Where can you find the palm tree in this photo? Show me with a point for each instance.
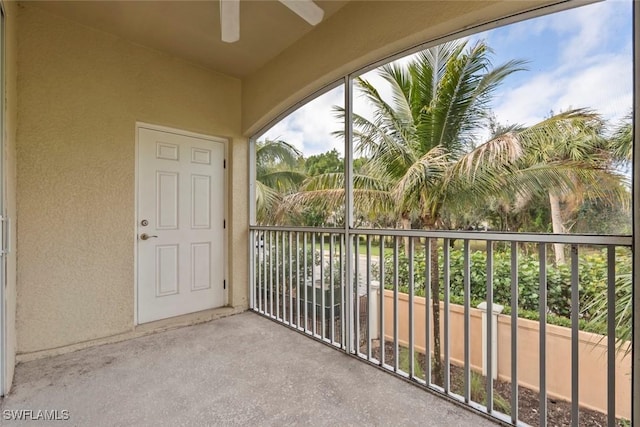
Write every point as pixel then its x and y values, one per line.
pixel 623 311
pixel 621 147
pixel 275 175
pixel 422 157
pixel 419 146
pixel 622 141
pixel 573 140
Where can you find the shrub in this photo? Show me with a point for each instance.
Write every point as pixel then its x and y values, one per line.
pixel 592 274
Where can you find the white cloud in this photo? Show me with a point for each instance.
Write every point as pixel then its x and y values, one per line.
pixel 587 65
pixel 588 28
pixel 528 103
pixel 309 128
pixel 604 84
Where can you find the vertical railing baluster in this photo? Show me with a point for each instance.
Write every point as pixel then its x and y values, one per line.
pixel 575 331
pixel 258 275
pixel 543 333
pixel 381 301
pixel 290 279
pixel 298 280
pixel 611 336
pixel 514 332
pixel 284 277
pixel 263 269
pixel 266 260
pixel 368 297
pixel 271 272
pixel 332 284
pixel 489 356
pixel 427 309
pixel 313 282
pixel 411 291
pixel 356 292
pixel 252 269
pixel 266 264
pixel 467 321
pixel 261 280
pixel 396 352
pixel 305 284
pixel 343 290
pixel 323 302
pixel 446 284
pixel 277 271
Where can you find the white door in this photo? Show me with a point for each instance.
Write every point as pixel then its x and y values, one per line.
pixel 180 224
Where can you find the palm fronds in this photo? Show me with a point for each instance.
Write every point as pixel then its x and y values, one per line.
pixel 275 175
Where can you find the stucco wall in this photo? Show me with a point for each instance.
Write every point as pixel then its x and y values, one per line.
pixel 360 33
pixel 10 116
pixel 592 353
pixel 80 93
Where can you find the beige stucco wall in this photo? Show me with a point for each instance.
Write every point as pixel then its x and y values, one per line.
pixel 80 93
pixel 360 33
pixel 592 352
pixel 10 116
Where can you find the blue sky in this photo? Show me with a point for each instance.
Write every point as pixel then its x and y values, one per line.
pixel 576 58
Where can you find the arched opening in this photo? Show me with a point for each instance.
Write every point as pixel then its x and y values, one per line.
pixel 485 172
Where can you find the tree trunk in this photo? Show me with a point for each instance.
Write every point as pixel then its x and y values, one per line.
pixel 437 373
pixel 558 227
pixel 406 225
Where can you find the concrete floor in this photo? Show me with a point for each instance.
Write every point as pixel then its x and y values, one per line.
pixel 241 370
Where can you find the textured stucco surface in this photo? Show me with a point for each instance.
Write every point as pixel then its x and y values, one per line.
pixel 10 116
pixel 243 370
pixel 360 33
pixel 80 93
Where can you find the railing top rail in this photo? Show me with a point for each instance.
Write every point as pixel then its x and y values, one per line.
pixel 297 229
pixel 579 239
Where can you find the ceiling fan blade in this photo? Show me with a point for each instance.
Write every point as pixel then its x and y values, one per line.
pixel 230 20
pixel 305 9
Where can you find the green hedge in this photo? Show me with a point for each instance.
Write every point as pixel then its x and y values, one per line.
pixel 592 274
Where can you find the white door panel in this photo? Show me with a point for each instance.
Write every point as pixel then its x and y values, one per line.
pixel 181 196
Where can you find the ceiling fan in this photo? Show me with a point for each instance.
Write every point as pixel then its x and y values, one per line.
pixel 230 16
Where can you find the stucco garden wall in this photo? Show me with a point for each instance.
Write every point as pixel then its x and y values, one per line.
pixel 592 353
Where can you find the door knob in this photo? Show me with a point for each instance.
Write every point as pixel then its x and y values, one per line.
pixel 145 236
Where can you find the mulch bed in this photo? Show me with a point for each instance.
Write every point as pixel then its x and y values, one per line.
pixel 558 411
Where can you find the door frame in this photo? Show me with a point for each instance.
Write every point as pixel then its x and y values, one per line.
pixel 225 207
pixel 4 222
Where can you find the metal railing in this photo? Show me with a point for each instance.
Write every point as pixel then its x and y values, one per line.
pixel 382 311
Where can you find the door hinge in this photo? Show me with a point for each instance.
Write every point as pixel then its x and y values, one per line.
pixel 224 284
pixel 224 223
pixel 5 224
pixel 224 164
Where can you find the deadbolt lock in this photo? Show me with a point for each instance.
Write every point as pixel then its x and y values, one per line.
pixel 144 223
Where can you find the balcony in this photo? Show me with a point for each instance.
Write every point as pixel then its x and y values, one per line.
pixel 240 370
pixel 551 369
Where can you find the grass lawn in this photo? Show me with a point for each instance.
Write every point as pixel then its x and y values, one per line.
pixel 475 245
